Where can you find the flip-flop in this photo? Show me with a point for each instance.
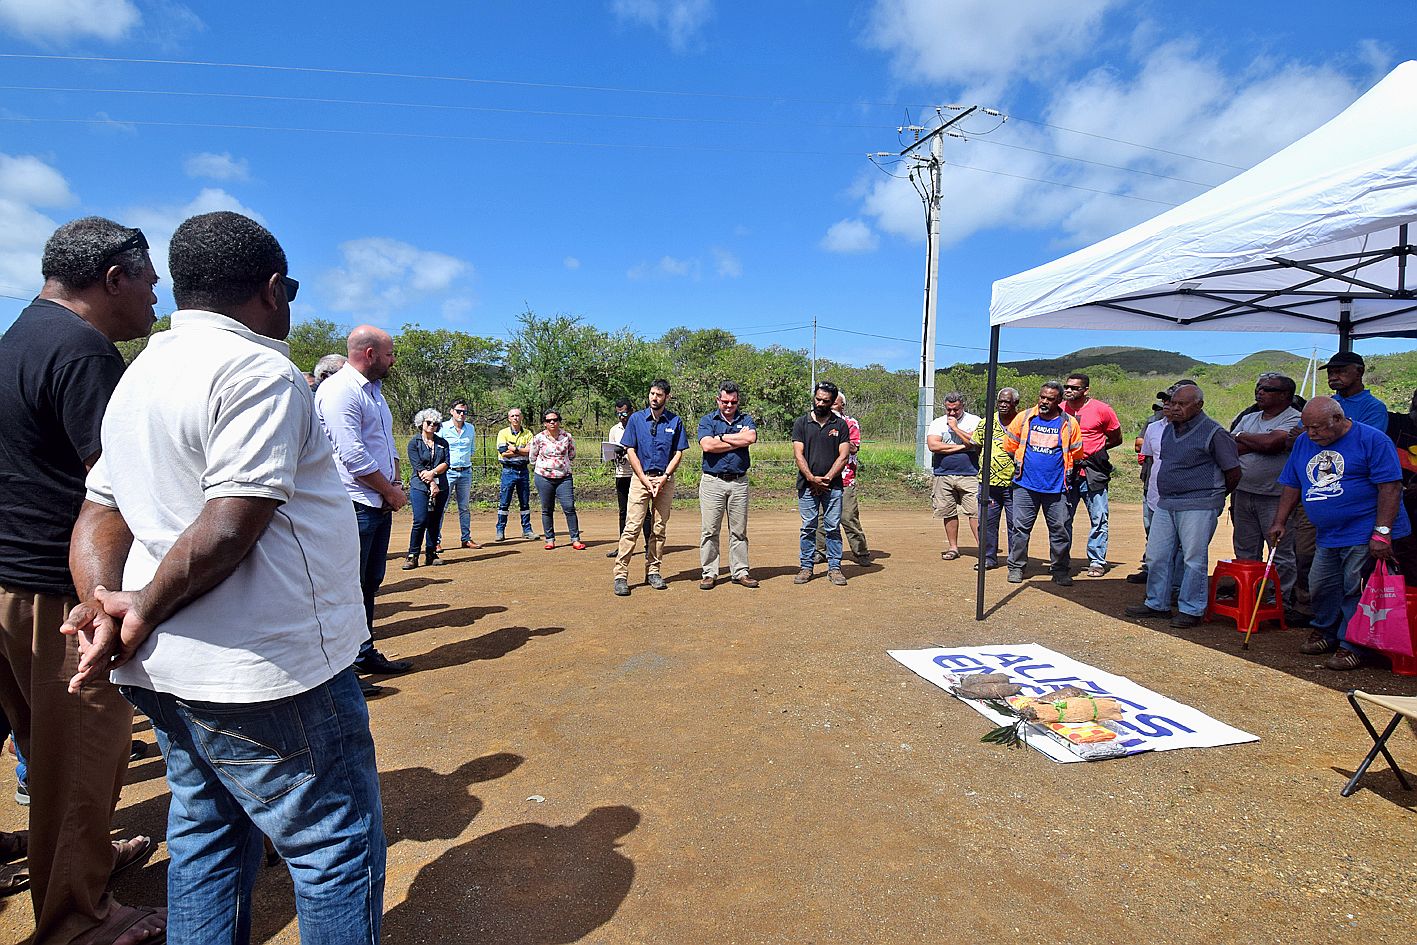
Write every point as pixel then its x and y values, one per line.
pixel 14 846
pixel 14 878
pixel 130 853
pixel 121 919
pixel 949 555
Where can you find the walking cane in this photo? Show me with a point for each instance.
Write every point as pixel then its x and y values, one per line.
pixel 1259 596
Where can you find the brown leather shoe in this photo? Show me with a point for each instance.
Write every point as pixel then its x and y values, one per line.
pixel 1344 660
pixel 744 580
pixel 803 576
pixel 474 545
pixel 706 584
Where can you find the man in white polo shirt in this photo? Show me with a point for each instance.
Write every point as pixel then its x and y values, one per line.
pixel 217 509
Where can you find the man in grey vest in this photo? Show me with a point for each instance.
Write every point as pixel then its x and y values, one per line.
pixel 1202 467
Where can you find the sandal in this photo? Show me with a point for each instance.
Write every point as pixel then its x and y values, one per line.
pixel 14 878
pixel 122 918
pixel 14 846
pixel 1096 570
pixel 950 555
pixel 133 852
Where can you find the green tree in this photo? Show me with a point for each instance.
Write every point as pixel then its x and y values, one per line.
pixel 549 363
pixel 131 349
pixel 312 340
pixel 437 366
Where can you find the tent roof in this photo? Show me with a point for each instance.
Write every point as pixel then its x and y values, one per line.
pixel 1314 239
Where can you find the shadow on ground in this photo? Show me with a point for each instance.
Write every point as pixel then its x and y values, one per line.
pixel 530 884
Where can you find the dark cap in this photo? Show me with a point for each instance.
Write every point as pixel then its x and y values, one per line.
pixel 1165 395
pixel 1344 359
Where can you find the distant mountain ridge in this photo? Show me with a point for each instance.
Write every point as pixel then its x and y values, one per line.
pixel 1141 361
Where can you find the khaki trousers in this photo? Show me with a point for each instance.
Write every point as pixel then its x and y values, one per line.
pixel 850 526
pixel 77 747
pixel 636 508
pixel 717 498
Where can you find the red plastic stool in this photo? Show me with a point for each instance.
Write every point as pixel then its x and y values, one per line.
pixel 1246 575
pixel 1407 665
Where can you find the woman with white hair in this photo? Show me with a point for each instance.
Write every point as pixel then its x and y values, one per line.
pixel 428 486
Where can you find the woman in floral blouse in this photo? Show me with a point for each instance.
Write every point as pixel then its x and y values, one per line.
pixel 551 453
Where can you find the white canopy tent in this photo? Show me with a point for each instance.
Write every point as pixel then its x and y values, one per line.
pixel 1313 239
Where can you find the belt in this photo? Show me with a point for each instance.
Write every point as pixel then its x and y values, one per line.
pixel 728 477
pixel 461 468
pixel 654 472
pixel 521 465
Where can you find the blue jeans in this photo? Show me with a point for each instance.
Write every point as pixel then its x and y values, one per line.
pixel 375 526
pixel 1187 532
pixel 460 484
pixel 427 520
pixel 300 771
pixel 514 478
pixel 1096 503
pixel 827 507
pixel 1335 584
pixel 551 491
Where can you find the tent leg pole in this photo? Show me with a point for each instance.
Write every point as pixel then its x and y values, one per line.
pixel 991 414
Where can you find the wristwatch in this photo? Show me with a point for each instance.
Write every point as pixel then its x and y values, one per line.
pixel 1383 530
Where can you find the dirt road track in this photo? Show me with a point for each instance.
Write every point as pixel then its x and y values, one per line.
pixel 741 766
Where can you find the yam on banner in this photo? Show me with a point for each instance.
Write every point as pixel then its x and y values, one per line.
pixel 1150 721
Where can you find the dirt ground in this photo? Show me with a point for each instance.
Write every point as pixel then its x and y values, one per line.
pixel 748 766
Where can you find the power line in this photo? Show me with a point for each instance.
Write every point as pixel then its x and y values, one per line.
pixel 428 105
pixel 1130 144
pixel 1114 167
pixel 1058 183
pixel 230 126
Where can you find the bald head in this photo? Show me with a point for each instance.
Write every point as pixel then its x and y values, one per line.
pixel 371 352
pixel 1324 421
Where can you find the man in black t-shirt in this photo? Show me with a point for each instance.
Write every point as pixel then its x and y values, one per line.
pixel 58 367
pixel 821 443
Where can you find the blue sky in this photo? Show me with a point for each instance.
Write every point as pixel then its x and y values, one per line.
pixel 653 163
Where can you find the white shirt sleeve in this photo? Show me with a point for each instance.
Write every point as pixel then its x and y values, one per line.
pixel 259 425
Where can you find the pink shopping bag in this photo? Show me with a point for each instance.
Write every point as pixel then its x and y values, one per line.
pixel 1380 622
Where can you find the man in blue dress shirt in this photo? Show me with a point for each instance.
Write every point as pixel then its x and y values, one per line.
pixel 725 436
pixel 654 443
pixel 462 443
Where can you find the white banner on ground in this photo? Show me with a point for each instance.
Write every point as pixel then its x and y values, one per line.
pixel 1150 721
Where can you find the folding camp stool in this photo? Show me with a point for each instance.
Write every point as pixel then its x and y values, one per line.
pixel 1401 707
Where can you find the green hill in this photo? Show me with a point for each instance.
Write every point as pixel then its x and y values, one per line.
pixel 1138 361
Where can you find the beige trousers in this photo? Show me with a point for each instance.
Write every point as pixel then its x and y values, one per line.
pixel 719 498
pixel 636 508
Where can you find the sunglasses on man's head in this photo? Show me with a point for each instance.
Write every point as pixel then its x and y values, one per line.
pixel 136 240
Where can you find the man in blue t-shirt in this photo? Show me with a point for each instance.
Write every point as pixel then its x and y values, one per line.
pixel 1348 477
pixel 1045 443
pixel 1345 378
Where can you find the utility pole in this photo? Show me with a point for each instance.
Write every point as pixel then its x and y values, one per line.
pixel 814 356
pixel 925 411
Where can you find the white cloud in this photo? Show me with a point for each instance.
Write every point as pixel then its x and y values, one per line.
pixel 571 262
pixel 667 267
pixel 1174 98
pixel 26 184
pixel 52 21
pixel 222 166
pixel 849 236
pixel 726 264
pixel 380 276
pixel 982 43
pixel 159 221
pixel 29 180
pixel 456 308
pixel 679 21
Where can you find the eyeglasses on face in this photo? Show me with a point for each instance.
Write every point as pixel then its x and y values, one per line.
pixel 459 410
pixel 1073 387
pixel 728 403
pixel 552 420
pixel 1270 390
pixel 292 287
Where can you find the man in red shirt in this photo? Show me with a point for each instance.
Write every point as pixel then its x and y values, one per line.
pixel 1101 431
